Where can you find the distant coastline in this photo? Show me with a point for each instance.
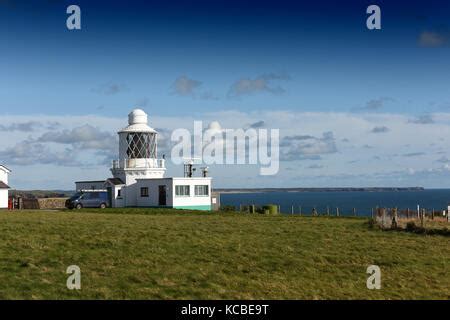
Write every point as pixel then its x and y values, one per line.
pixel 366 189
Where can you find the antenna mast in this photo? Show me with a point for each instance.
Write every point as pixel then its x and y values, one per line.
pixel 189 167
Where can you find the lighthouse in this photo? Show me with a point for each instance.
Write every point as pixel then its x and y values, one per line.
pixel 138 149
pixel 139 175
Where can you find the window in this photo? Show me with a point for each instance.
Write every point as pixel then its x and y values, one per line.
pixel 119 193
pixel 201 190
pixel 141 145
pixel 182 191
pixel 144 192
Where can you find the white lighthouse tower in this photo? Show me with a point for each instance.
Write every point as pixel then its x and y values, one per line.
pixel 138 175
pixel 138 149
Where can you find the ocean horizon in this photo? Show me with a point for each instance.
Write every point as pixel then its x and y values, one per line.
pixel 362 201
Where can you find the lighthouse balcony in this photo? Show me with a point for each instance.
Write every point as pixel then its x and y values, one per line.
pixel 138 163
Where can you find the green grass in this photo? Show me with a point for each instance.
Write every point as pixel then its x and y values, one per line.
pixel 173 254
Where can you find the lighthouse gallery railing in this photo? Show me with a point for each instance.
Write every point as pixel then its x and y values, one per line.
pixel 138 163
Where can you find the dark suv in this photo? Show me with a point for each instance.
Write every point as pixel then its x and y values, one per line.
pixel 88 199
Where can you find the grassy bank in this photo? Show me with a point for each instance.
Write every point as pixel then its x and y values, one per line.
pixel 172 254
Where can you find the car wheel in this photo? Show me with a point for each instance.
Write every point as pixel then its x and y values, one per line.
pixel 103 206
pixel 78 206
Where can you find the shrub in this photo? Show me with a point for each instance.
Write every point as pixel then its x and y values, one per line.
pixel 270 209
pixel 227 208
pixel 411 226
pixel 372 223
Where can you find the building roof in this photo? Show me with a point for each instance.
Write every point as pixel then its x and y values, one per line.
pixel 140 127
pixel 114 181
pixel 138 122
pixel 175 178
pixel 4 185
pixel 93 181
pixel 5 168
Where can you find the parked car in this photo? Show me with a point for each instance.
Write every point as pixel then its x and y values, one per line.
pixel 88 199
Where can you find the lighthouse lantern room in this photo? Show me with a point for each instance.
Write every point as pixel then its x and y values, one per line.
pixel 137 151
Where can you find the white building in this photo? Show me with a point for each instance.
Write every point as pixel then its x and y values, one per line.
pixel 4 188
pixel 138 175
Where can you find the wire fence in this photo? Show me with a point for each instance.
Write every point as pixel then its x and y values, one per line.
pixel 298 209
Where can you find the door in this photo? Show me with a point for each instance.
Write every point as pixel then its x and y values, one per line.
pixel 162 195
pixel 85 200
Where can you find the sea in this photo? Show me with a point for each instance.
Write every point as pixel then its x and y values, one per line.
pixel 362 201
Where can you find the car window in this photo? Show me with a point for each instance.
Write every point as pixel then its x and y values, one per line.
pixel 76 196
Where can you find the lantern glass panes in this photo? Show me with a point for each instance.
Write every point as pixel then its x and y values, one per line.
pixel 141 145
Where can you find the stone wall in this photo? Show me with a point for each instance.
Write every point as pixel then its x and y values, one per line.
pixel 51 203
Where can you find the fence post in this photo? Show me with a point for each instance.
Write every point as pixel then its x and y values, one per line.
pixel 394 223
pixel 337 211
pixel 292 210
pixel 354 212
pixel 328 210
pixel 300 210
pixel 422 217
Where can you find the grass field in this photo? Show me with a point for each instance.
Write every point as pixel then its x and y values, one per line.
pixel 172 254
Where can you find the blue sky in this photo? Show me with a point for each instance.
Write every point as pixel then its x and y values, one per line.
pixel 213 60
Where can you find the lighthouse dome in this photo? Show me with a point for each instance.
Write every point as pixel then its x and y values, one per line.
pixel 215 126
pixel 137 122
pixel 137 116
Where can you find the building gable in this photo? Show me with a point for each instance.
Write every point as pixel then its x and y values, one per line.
pixel 4 169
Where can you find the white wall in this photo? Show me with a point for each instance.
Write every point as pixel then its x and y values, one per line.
pixel 153 192
pixel 3 176
pixel 192 200
pixel 132 193
pixel 118 202
pixel 3 198
pixel 3 192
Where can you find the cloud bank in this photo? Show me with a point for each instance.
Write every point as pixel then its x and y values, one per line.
pixel 336 147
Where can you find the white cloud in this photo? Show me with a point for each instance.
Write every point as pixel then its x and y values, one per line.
pixel 300 147
pixel 110 88
pixel 262 83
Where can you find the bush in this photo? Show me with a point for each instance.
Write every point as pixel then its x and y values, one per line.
pixel 270 209
pixel 372 223
pixel 411 226
pixel 227 208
